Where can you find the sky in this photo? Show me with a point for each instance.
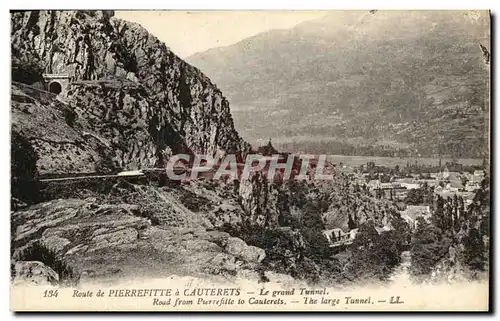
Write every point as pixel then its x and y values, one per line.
pixel 189 32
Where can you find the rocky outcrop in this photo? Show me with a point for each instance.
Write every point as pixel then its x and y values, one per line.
pixel 349 208
pixel 61 223
pixel 46 140
pixel 35 273
pixel 338 203
pixel 259 199
pixel 241 250
pixel 120 114
pixel 128 90
pixel 188 206
pixel 89 239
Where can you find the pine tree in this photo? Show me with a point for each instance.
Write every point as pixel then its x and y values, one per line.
pixel 438 217
pixel 473 254
pixel 461 208
pixel 373 256
pixel 456 222
pixel 448 215
pixel 351 224
pixel 428 246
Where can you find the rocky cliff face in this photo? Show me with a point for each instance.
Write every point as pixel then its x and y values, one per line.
pixel 125 84
pixel 130 103
pixel 45 126
pixel 259 199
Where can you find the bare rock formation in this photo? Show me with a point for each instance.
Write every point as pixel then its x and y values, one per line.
pixel 128 90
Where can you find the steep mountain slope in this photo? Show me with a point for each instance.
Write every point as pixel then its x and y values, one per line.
pixel 131 101
pixel 125 84
pixel 414 81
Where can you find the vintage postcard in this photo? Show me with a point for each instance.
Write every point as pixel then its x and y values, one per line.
pixel 250 160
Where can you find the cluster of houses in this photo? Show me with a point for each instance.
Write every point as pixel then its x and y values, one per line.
pixel 445 184
pixel 392 190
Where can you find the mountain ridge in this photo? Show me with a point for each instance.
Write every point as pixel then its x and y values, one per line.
pixel 342 63
pixel 168 105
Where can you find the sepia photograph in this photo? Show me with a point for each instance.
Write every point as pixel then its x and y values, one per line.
pixel 173 160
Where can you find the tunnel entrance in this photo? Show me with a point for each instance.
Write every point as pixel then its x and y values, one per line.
pixel 56 83
pixel 55 87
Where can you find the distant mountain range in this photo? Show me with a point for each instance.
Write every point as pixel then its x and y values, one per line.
pixel 383 83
